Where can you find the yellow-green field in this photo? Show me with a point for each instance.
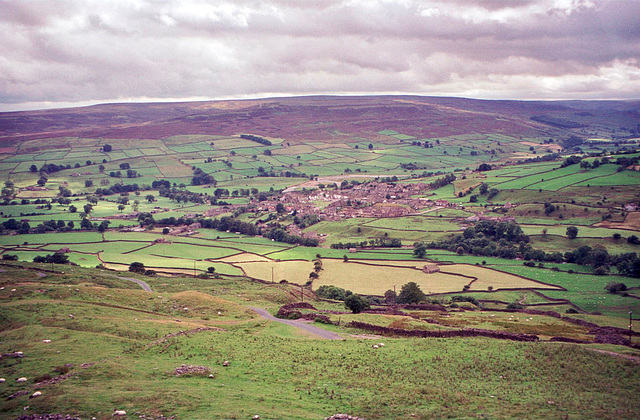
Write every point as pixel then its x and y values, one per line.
pixel 376 278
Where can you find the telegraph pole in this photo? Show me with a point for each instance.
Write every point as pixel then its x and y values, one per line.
pixel 630 325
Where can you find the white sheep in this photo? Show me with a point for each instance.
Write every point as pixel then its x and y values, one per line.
pixel 2 380
pixel 119 413
pixel 23 379
pixel 375 346
pixel 380 344
pixel 36 394
pixel 46 341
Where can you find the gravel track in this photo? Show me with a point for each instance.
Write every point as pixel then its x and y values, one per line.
pixel 327 335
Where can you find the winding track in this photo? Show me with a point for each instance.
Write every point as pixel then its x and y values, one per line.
pixel 142 284
pixel 327 335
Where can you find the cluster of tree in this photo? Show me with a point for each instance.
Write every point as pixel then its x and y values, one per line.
pixel 627 161
pixel 14 225
pixel 306 220
pixel 57 258
pixel 377 242
pixel 506 240
pixel 543 158
pixel 185 196
pixel 223 224
pixel 333 292
pixel 441 182
pixel 571 160
pixel 49 168
pixel 426 144
pixel 257 139
pixel 280 235
pixel 484 167
pixel 52 225
pixel 131 173
pixel 161 183
pixel 490 193
pixel 572 141
pixel 488 238
pixel 138 267
pixel 287 174
pixel 200 177
pixel 118 189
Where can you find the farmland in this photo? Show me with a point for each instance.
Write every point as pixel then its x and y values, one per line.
pixel 262 203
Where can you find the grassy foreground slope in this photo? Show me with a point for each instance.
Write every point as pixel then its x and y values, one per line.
pixel 115 341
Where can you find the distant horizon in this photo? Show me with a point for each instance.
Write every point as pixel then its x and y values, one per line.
pixel 7 108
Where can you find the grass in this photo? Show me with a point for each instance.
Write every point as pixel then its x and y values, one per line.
pixel 275 371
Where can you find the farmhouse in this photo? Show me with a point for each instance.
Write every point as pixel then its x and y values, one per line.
pixel 431 268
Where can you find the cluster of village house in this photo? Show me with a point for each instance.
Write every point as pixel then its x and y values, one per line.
pixel 364 200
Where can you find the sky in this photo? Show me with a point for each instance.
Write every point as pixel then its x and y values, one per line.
pixel 58 53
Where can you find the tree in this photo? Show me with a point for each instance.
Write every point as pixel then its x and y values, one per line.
pixel 88 183
pixel 72 209
pixel 101 168
pixel 411 293
pixel 614 287
pixel 390 297
pixel 33 168
pixel 137 267
pixel 572 232
pixel 88 208
pixel 419 249
pixel 370 146
pixel 150 198
pixel 106 148
pixel 356 303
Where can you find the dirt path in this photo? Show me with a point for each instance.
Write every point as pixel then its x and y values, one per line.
pixel 634 359
pixel 328 335
pixel 142 284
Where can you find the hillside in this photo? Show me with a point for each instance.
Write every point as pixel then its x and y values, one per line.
pixel 328 119
pixel 457 258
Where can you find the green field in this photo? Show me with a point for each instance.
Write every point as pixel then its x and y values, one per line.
pixel 205 280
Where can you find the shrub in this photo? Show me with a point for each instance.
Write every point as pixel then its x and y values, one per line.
pixel 356 303
pixel 572 311
pixel 469 299
pixel 332 292
pixel 514 305
pixel 137 267
pixel 615 287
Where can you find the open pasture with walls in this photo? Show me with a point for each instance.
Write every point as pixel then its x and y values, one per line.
pixel 274 370
pixel 376 277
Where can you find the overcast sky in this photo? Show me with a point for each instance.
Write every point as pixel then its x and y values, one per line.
pixel 64 52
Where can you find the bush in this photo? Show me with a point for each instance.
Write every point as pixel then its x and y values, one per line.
pixel 356 303
pixel 615 287
pixel 332 292
pixel 137 267
pixel 572 311
pixel 514 305
pixel 469 299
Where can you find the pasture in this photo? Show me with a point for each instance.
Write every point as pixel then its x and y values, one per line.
pixel 376 277
pixel 276 371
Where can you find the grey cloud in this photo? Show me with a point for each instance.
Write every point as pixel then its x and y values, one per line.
pixel 83 50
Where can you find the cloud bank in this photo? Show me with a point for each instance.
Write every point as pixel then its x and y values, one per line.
pixel 61 52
